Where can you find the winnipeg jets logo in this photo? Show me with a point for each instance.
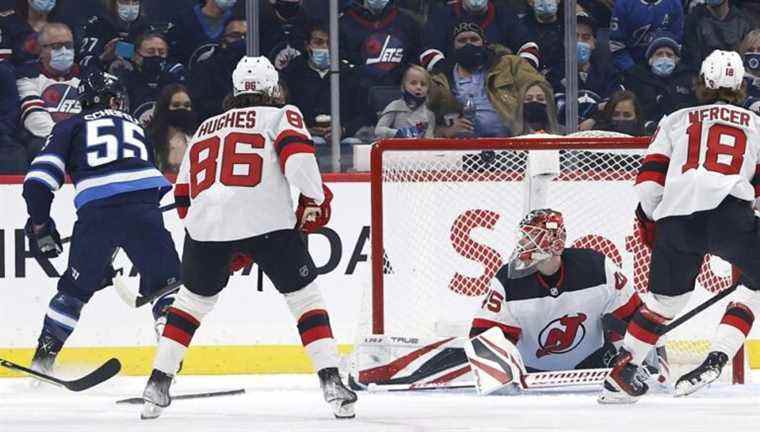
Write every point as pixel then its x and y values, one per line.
pixel 561 335
pixel 388 53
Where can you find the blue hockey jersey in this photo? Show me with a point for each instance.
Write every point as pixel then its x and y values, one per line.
pixel 105 152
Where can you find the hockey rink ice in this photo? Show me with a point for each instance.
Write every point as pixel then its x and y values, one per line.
pixel 294 403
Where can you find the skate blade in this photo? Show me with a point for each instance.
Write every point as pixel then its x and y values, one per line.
pixel 343 410
pixel 686 388
pixel 150 411
pixel 616 397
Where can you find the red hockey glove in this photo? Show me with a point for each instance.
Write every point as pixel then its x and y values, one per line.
pixel 310 216
pixel 647 230
pixel 240 261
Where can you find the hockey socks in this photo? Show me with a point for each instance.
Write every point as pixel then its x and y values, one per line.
pixel 60 321
pixel 182 320
pixel 644 331
pixel 308 308
pixel 733 329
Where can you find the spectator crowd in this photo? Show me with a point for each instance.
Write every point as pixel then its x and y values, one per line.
pixel 408 68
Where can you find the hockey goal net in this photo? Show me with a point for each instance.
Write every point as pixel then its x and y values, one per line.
pixel 444 214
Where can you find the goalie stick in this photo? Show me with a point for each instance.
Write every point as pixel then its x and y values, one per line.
pixel 106 371
pixel 139 400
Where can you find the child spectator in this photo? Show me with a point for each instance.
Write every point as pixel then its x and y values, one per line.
pixel 409 116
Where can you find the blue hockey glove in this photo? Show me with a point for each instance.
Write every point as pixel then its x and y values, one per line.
pixel 45 241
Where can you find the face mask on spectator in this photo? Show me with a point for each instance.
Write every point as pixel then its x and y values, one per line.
pixel 62 59
pixel 475 5
pixel 376 6
pixel 627 127
pixel 287 9
pixel 182 119
pixel 321 58
pixel 153 66
pixel 545 7
pixel 470 56
pixel 43 6
pixel 584 52
pixel 752 62
pixel 412 100
pixel 235 50
pixel 535 112
pixel 128 12
pixel 663 66
pixel 225 4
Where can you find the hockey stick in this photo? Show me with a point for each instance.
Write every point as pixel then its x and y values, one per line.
pixel 134 300
pixel 706 304
pixel 162 209
pixel 106 371
pixel 139 400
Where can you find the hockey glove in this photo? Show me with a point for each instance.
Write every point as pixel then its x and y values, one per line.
pixel 240 261
pixel 44 241
pixel 647 230
pixel 311 216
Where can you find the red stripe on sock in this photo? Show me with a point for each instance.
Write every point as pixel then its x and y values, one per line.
pixel 191 319
pixel 737 323
pixel 178 335
pixel 315 334
pixel 642 334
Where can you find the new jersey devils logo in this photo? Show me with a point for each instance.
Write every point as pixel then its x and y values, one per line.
pixel 561 335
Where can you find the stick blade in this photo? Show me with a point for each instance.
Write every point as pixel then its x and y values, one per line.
pixel 105 372
pixel 139 400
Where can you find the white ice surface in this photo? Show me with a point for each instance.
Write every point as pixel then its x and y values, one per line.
pixel 294 403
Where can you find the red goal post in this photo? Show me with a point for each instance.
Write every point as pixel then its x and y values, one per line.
pixel 444 213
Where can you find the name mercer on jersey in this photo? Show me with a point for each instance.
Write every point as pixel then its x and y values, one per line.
pixel 725 114
pixel 233 119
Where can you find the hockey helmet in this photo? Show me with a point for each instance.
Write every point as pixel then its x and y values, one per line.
pixel 723 69
pixel 97 88
pixel 540 235
pixel 255 75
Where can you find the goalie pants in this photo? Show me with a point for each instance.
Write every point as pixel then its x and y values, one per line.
pixel 282 256
pixel 730 231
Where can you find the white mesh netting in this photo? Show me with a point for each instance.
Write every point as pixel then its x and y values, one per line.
pixel 448 220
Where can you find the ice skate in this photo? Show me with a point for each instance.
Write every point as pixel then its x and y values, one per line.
pixel 156 395
pixel 340 398
pixel 704 374
pixel 625 382
pixel 44 357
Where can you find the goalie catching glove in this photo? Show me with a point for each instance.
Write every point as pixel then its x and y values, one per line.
pixel 44 240
pixel 311 216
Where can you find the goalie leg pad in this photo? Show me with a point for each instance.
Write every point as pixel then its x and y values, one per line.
pixel 309 310
pixel 496 363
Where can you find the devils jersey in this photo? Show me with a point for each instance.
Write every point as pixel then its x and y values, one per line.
pixel 234 181
pixel 698 157
pixel 558 327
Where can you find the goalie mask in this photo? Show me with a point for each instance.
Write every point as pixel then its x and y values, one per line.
pixel 540 236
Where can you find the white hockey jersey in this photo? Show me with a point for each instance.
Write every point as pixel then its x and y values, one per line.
pixel 234 181
pixel 698 157
pixel 558 327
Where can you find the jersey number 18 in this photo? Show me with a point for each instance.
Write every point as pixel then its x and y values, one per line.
pixel 716 148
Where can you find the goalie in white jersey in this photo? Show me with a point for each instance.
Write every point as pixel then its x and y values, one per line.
pixel 556 304
pixel 697 186
pixel 233 193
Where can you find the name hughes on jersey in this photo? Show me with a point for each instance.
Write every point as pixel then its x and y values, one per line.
pixel 723 113
pixel 232 119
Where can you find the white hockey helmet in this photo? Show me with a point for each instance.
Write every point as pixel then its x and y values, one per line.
pixel 255 75
pixel 723 69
